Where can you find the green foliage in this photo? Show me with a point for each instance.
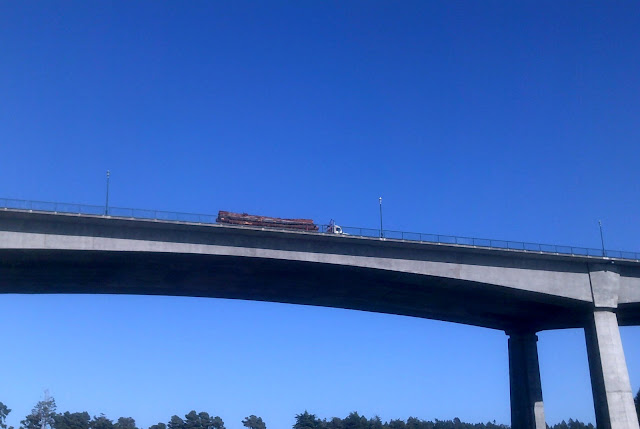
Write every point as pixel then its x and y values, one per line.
pixel 176 423
pixel 71 420
pixel 32 421
pixel 572 424
pixel 124 423
pixel 253 422
pixel 307 421
pixel 100 422
pixel 334 423
pixel 4 412
pixel 217 423
pixel 416 423
pixel 396 424
pixel 355 421
pixel 202 420
pixel 493 425
pixel 375 423
pixel 193 420
pixel 41 416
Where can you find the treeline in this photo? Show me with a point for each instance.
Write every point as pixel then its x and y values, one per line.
pixel 45 416
pixel 356 421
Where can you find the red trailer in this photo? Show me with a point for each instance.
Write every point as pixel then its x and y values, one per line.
pixel 245 219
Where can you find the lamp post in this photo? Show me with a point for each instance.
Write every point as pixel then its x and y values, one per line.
pixel 106 205
pixel 380 200
pixel 602 238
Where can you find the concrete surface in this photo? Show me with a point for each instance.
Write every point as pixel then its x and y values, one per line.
pixel 504 289
pixel 527 407
pixel 612 395
pixel 605 285
pixel 515 291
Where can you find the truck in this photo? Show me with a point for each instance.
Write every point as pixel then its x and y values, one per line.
pixel 245 219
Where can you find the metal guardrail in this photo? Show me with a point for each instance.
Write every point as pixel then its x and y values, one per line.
pixel 43 206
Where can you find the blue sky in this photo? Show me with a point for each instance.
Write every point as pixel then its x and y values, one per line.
pixel 506 120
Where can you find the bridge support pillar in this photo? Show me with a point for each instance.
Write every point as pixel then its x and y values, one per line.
pixel 527 408
pixel 612 395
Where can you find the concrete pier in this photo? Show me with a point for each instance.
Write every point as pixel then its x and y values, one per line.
pixel 612 395
pixel 527 408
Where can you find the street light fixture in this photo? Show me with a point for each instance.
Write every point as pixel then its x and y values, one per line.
pixel 106 205
pixel 602 238
pixel 381 233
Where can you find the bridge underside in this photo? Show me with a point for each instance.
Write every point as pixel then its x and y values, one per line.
pixel 151 273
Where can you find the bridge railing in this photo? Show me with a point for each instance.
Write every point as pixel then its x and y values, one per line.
pixel 490 243
pixel 43 206
pixel 86 209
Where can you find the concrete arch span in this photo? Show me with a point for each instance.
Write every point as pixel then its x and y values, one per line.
pixel 295 282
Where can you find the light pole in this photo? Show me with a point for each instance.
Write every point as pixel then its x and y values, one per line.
pixel 380 200
pixel 106 205
pixel 602 238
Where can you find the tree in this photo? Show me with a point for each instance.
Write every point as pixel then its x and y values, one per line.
pixel 101 422
pixel 192 420
pixel 414 423
pixel 158 426
pixel 307 421
pixel 375 423
pixel 4 412
pixel 334 423
pixel 253 422
pixel 355 421
pixel 216 423
pixel 202 420
pixel 42 415
pixel 124 423
pixel 176 423
pixel 396 424
pixel 71 420
pixel 195 420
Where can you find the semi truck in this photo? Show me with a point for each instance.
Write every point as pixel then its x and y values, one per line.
pixel 245 219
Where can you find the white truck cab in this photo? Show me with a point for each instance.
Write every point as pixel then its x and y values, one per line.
pixel 335 229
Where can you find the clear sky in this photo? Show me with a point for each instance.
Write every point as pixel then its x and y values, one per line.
pixel 507 120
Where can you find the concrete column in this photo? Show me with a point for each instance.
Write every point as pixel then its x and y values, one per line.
pixel 612 395
pixel 527 408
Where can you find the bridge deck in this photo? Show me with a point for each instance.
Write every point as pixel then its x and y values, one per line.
pixel 192 218
pixel 43 252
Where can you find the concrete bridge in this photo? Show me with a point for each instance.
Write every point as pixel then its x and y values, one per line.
pixel 519 292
